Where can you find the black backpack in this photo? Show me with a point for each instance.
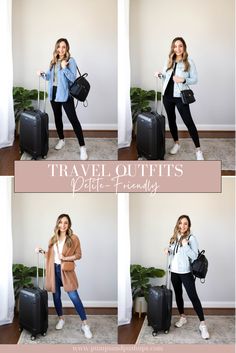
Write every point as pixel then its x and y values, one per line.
pixel 199 266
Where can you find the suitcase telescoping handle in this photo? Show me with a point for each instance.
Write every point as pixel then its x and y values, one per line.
pixel 43 75
pixel 167 271
pixel 37 282
pixel 161 96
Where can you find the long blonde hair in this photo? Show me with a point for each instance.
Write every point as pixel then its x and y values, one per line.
pixel 172 55
pixel 174 237
pixel 56 234
pixel 55 57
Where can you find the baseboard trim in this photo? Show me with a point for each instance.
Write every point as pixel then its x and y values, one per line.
pixel 87 126
pixel 87 133
pixel 89 311
pixel 206 304
pixel 208 311
pixel 87 304
pixel 209 127
pixel 205 134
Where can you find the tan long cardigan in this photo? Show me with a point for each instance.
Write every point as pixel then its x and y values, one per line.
pixel 69 279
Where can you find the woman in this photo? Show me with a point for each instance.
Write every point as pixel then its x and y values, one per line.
pixel 64 247
pixel 179 71
pixel 183 249
pixel 61 74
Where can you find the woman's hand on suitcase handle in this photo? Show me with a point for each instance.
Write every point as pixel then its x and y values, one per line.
pixel 39 250
pixel 158 74
pixel 39 73
pixel 166 251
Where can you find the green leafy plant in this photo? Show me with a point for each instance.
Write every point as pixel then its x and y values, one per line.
pixel 140 279
pixel 23 98
pixel 140 101
pixel 23 277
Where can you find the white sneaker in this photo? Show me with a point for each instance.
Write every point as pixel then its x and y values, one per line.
pixel 204 332
pixel 86 331
pixel 182 321
pixel 199 156
pixel 60 144
pixel 175 148
pixel 60 324
pixel 83 153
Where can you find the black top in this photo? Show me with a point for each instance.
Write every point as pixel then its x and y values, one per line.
pixel 169 91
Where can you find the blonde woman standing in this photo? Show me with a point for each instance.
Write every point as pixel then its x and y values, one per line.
pixel 179 71
pixel 64 246
pixel 183 249
pixel 61 74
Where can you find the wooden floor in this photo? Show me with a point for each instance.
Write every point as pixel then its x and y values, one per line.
pixel 130 153
pixel 9 334
pixel 10 154
pixel 128 334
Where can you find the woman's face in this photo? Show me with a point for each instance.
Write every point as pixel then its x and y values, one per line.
pixel 63 224
pixel 183 225
pixel 61 49
pixel 178 48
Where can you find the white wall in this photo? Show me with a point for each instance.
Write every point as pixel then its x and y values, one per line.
pixel 212 215
pixel 91 29
pixel 208 28
pixel 94 220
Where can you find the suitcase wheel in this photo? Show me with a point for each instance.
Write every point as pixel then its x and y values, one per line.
pixel 33 338
pixel 154 333
pixel 44 157
pixel 44 334
pixel 20 329
pixel 166 331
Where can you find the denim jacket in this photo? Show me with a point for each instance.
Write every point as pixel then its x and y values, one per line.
pixel 190 76
pixel 66 77
pixel 186 253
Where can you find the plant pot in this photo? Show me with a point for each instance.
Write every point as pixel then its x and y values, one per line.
pixel 140 305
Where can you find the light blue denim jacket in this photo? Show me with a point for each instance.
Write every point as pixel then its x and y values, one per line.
pixel 187 253
pixel 66 77
pixel 190 76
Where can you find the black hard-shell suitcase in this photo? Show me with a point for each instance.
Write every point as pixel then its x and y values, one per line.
pixel 34 131
pixel 159 311
pixel 33 310
pixel 150 137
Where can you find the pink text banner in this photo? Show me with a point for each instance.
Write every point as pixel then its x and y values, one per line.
pixel 117 176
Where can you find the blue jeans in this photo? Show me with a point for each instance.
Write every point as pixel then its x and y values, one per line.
pixel 74 296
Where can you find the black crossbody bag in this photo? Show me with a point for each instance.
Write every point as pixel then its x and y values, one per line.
pixel 187 95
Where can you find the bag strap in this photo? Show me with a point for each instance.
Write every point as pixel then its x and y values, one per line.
pixel 183 84
pixel 78 70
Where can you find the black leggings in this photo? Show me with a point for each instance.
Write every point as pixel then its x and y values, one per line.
pixel 170 103
pixel 70 112
pixel 188 281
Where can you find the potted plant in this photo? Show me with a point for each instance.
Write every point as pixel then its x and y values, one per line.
pixel 23 98
pixel 140 102
pixel 23 278
pixel 140 284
